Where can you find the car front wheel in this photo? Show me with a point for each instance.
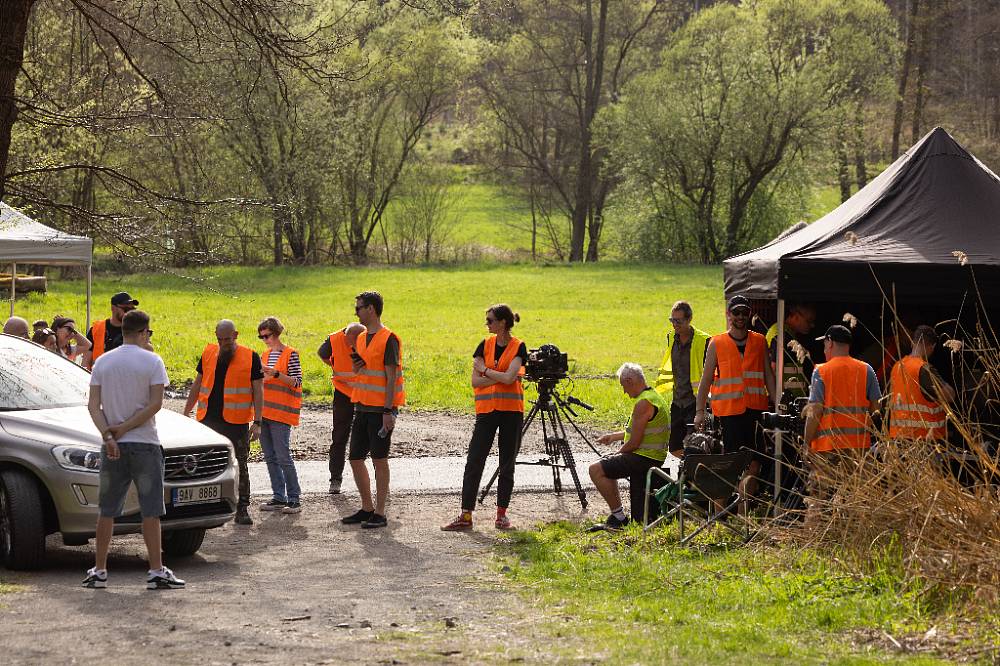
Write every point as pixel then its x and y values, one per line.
pixel 22 529
pixel 183 543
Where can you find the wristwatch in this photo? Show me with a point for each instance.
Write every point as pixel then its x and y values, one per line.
pixel 108 436
pixel 387 410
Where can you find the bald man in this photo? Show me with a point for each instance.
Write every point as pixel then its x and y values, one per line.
pixel 17 326
pixel 337 351
pixel 228 390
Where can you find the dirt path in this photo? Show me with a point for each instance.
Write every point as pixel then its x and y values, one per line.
pixel 291 589
pixel 417 435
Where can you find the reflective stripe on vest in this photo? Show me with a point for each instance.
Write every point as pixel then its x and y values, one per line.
pixel 343 366
pixel 370 382
pixel 237 391
pixel 911 415
pixel 845 423
pixel 739 382
pixel 98 331
pixel 500 397
pixel 282 402
pixel 656 435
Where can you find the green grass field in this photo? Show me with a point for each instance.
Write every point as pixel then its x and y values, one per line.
pixel 602 315
pixel 641 599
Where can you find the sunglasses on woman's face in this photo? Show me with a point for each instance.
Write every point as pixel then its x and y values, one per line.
pixel 265 336
pixel 490 321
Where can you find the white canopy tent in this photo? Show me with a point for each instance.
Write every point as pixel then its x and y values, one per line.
pixel 25 241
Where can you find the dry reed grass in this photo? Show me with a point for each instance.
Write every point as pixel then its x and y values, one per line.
pixel 934 505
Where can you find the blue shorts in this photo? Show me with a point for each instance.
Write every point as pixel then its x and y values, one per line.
pixel 140 463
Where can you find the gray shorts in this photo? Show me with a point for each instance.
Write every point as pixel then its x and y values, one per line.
pixel 141 463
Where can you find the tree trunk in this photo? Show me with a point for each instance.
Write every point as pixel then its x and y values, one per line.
pixel 14 16
pixel 904 75
pixel 278 220
pixel 843 170
pixel 918 101
pixel 860 168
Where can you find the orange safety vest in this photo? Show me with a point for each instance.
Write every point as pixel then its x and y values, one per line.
pixel 282 402
pixel 237 392
pixel 739 381
pixel 846 420
pixel 911 414
pixel 500 397
pixel 98 331
pixel 370 382
pixel 343 366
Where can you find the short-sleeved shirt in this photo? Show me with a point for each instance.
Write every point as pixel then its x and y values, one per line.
pixel 390 358
pixel 125 375
pixel 215 401
pixel 522 351
pixel 817 392
pixel 112 336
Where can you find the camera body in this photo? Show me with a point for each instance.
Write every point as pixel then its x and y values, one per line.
pixel 546 362
pixel 792 422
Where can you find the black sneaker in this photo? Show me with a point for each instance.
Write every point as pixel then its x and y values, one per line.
pixel 292 507
pixel 96 580
pixel 273 505
pixel 335 485
pixel 357 518
pixel 243 517
pixel 611 524
pixel 375 521
pixel 615 524
pixel 164 579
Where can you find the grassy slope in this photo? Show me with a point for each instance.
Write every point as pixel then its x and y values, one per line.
pixel 601 314
pixel 635 599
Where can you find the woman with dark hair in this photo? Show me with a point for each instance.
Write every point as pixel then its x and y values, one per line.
pixel 282 403
pixel 71 343
pixel 497 367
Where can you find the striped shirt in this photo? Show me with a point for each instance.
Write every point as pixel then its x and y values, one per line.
pixel 294 367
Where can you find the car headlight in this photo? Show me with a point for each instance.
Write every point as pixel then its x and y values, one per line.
pixel 77 459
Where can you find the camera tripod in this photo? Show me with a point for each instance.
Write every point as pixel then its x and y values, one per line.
pixel 555 411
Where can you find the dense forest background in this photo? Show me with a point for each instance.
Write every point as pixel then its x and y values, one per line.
pixel 403 131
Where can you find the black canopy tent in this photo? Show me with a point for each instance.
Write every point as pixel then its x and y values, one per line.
pixel 896 235
pixel 926 230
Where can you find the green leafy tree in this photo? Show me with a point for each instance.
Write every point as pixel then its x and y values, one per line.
pixel 744 100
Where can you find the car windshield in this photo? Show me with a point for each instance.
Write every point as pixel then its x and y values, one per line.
pixel 32 377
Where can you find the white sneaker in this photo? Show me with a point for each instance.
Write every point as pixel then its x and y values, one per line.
pixel 95 579
pixel 164 579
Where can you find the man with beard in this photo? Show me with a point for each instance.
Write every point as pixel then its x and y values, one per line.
pixel 740 378
pixel 229 393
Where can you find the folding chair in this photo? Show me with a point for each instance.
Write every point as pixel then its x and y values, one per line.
pixel 703 483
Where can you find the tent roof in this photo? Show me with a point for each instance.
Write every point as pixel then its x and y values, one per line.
pixel 22 240
pixel 898 232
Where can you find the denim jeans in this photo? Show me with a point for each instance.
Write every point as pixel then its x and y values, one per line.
pixel 275 441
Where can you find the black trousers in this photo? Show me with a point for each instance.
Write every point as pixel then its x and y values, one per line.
pixel 239 436
pixel 487 425
pixel 343 416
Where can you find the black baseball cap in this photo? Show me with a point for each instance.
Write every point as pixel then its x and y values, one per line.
pixel 837 333
pixel 122 298
pixel 738 302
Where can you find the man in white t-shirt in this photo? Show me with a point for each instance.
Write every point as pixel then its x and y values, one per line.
pixel 126 392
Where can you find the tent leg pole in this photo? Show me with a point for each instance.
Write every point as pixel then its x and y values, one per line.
pixel 13 286
pixel 779 382
pixel 89 283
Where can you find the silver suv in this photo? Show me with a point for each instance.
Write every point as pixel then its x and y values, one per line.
pixel 50 457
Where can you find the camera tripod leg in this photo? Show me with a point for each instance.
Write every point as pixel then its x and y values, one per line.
pixel 567 454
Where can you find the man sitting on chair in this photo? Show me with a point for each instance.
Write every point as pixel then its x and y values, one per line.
pixel 644 445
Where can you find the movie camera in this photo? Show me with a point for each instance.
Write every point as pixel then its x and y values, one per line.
pixel 546 363
pixel 793 421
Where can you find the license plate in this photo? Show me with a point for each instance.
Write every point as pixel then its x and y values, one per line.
pixel 197 494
